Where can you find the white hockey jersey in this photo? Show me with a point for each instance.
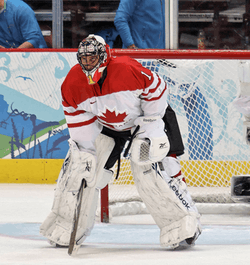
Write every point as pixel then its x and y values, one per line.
pixel 126 92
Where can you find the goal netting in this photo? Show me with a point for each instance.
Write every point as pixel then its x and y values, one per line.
pixel 202 86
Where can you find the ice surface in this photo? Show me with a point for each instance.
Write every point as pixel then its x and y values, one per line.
pixel 125 240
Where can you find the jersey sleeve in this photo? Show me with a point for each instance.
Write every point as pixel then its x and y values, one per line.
pixel 147 85
pixel 82 125
pixel 154 94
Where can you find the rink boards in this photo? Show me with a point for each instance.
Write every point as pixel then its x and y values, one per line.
pixel 33 132
pixel 46 171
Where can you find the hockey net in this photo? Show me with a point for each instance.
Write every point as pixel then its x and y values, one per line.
pixel 202 86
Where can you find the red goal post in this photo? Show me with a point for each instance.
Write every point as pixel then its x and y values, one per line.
pixel 202 86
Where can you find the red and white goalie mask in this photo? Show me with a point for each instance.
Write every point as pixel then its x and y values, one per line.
pixel 93 55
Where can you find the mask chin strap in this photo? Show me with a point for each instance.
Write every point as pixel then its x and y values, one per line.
pixel 91 81
pixel 95 74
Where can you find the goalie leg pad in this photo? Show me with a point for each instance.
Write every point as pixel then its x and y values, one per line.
pixel 57 226
pixel 178 231
pixel 77 165
pixel 168 201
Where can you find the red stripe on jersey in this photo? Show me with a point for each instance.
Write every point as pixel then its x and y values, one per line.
pixel 152 90
pixel 74 113
pixel 65 104
pixel 152 99
pixel 80 124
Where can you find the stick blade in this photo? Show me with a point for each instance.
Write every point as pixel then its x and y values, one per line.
pixel 73 249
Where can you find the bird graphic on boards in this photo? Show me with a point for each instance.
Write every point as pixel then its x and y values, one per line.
pixel 25 78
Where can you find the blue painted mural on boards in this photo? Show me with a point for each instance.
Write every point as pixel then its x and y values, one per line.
pixel 31 115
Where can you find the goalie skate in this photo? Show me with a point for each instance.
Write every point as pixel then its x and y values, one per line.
pixel 188 242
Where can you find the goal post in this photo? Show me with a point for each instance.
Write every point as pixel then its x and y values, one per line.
pixel 202 86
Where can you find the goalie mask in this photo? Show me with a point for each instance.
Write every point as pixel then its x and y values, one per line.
pixel 98 52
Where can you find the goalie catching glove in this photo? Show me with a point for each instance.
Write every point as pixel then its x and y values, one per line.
pixel 151 143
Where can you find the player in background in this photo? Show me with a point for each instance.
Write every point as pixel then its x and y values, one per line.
pixel 141 24
pixel 108 101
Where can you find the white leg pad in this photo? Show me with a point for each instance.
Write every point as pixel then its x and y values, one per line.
pixel 58 225
pixel 169 203
pixel 179 230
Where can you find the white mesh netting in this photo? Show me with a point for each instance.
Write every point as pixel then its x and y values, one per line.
pixel 201 93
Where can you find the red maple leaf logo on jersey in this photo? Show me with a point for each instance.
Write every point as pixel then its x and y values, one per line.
pixel 113 116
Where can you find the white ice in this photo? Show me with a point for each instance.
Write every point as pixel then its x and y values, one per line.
pixel 125 240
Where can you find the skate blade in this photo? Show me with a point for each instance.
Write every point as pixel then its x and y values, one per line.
pixel 182 245
pixel 53 244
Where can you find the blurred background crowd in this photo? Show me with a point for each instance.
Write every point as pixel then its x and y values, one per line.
pixel 216 24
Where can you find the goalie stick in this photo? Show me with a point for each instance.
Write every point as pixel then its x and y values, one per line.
pixel 73 247
pixel 131 140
